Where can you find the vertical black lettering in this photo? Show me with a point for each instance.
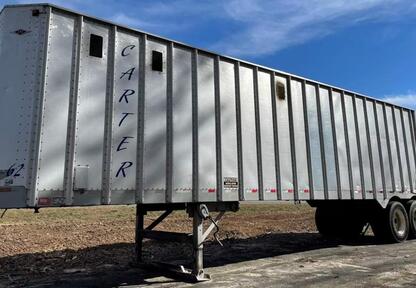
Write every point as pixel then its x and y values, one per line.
pixel 123 167
pixel 123 52
pixel 124 117
pixel 127 92
pixel 128 72
pixel 123 141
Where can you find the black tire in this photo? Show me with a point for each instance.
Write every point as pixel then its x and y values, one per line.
pixel 411 213
pixel 353 225
pixel 391 224
pixel 324 220
pixel 339 222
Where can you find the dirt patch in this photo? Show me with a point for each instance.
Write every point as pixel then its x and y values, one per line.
pixel 65 241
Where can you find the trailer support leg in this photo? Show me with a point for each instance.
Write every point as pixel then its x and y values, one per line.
pixel 199 213
pixel 139 233
pixel 198 246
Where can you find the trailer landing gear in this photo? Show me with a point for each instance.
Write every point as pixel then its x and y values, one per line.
pixel 199 212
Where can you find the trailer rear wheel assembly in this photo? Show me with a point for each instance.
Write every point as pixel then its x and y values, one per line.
pixel 392 223
pixel 339 222
pixel 323 222
pixel 411 212
pixel 326 219
pixel 353 226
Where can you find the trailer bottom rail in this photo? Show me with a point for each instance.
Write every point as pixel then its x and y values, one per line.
pixel 199 212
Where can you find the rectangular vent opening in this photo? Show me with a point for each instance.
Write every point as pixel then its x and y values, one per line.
pixel 280 91
pixel 96 46
pixel 157 61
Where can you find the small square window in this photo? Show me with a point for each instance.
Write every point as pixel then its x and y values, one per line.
pixel 96 46
pixel 157 61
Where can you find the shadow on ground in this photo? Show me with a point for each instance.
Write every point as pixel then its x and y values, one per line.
pixel 112 266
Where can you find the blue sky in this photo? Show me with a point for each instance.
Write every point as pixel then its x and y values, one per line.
pixel 368 46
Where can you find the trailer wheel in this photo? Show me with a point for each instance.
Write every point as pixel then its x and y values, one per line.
pixel 411 212
pixel 391 224
pixel 325 222
pixel 336 222
pixel 352 226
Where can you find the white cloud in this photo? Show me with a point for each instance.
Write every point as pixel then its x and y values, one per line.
pixel 406 100
pixel 272 25
pixel 165 18
pixel 122 18
pixel 245 27
pixel 161 28
pixel 260 27
pixel 175 8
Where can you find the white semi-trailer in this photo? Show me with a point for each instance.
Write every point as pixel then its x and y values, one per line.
pixel 94 113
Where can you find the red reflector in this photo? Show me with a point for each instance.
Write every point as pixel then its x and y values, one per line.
pixel 306 191
pixel 211 190
pixel 273 190
pixel 289 190
pixel 254 190
pixel 5 189
pixel 44 201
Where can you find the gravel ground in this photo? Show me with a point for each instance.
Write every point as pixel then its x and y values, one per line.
pixel 58 243
pixel 264 246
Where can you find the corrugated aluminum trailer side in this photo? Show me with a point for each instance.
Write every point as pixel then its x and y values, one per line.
pixel 22 55
pixel 96 113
